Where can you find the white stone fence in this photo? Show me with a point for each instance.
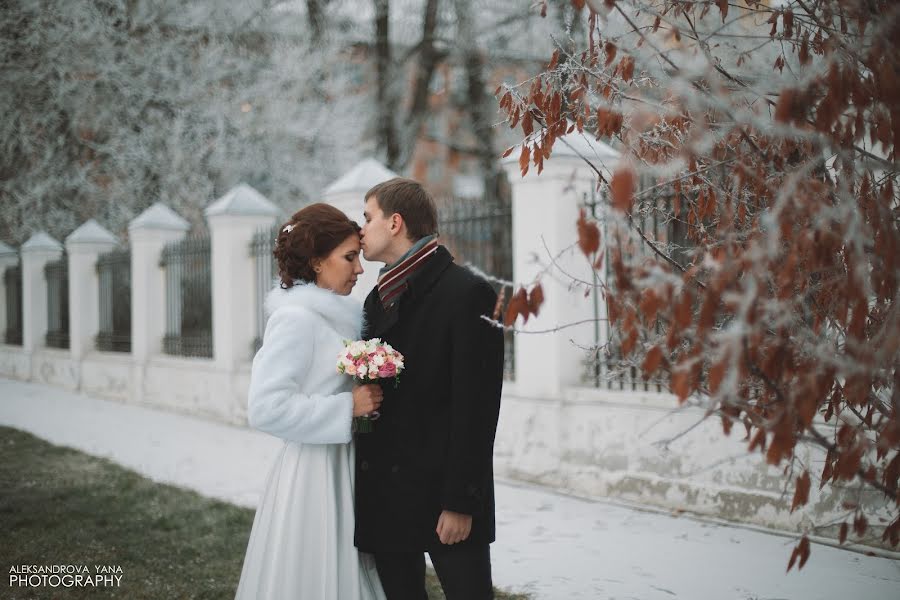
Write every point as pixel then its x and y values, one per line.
pixel 554 429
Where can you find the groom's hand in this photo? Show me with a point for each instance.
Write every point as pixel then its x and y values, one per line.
pixel 453 527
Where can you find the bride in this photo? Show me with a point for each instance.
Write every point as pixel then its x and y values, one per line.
pixel 301 544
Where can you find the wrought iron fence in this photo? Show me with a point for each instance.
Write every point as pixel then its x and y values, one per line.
pixel 608 370
pixel 114 272
pixel 654 214
pixel 261 248
pixel 12 280
pixel 57 274
pixel 479 233
pixel 188 297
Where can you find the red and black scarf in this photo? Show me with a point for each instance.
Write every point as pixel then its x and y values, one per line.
pixel 393 281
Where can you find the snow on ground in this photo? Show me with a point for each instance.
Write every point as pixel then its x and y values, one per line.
pixel 553 546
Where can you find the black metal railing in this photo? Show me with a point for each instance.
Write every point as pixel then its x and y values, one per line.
pixel 654 214
pixel 12 280
pixel 57 274
pixel 188 298
pixel 479 233
pixel 261 247
pixel 609 371
pixel 114 274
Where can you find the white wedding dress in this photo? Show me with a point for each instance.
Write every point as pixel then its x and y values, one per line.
pixel 301 545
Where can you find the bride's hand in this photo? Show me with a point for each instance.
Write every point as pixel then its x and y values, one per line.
pixel 366 398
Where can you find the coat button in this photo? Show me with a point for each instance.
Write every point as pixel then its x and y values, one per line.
pixel 395 469
pixel 364 465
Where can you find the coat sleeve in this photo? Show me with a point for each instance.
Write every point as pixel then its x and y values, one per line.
pixel 275 404
pixel 476 361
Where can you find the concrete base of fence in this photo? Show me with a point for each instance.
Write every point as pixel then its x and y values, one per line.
pixel 196 387
pixel 193 386
pixel 607 444
pixel 55 367
pixel 14 363
pixel 108 375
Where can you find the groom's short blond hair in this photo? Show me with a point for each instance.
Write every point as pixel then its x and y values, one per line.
pixel 409 199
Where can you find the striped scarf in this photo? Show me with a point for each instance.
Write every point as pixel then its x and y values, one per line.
pixel 393 280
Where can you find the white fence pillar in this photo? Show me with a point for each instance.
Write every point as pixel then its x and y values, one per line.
pixel 9 257
pixel 233 220
pixel 149 233
pixel 83 247
pixel 545 212
pixel 36 253
pixel 347 194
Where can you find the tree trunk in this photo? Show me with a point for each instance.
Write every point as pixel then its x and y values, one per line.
pixel 386 127
pixel 480 105
pixel 427 61
pixel 315 16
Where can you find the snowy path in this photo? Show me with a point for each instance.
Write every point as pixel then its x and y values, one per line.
pixel 552 546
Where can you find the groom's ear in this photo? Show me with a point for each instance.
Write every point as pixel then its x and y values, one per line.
pixel 396 223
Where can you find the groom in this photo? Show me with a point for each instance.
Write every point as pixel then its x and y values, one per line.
pixel 424 476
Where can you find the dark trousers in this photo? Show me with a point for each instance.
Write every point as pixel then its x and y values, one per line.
pixel 464 573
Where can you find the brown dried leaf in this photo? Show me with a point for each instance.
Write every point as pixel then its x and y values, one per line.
pixel 630 341
pixel 588 235
pixel 527 123
pixel 681 385
pixel 842 537
pixel 524 158
pixel 801 492
pixel 758 440
pixel 723 8
pixel 554 60
pixel 518 305
pixel 535 299
pixel 621 188
pixel 860 524
pixel 627 68
pixel 610 50
pixel 649 305
pixel 683 310
pixel 801 552
pixel 716 374
pixel 652 361
pixel 501 298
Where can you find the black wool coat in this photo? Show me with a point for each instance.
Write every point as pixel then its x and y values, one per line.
pixel 432 448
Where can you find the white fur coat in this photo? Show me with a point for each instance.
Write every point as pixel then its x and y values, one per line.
pixel 295 390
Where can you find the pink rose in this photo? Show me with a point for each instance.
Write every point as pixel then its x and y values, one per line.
pixel 388 369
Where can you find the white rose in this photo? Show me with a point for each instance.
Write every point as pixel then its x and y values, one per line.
pixel 378 360
pixel 362 371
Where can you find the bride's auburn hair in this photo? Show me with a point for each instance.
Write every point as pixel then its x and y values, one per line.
pixel 311 233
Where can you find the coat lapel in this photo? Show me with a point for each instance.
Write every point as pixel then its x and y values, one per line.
pixel 377 319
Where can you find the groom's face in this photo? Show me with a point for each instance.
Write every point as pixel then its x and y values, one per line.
pixel 376 232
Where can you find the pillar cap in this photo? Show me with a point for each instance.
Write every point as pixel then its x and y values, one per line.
pixel 159 216
pixel 242 200
pixel 41 241
pixel 91 232
pixel 360 178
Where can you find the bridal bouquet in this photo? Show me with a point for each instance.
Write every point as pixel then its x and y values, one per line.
pixel 367 361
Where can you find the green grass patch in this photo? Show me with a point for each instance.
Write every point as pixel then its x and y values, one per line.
pixel 59 506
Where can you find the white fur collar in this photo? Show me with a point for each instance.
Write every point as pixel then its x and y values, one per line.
pixel 343 312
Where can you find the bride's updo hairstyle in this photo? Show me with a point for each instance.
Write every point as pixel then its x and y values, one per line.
pixel 313 232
